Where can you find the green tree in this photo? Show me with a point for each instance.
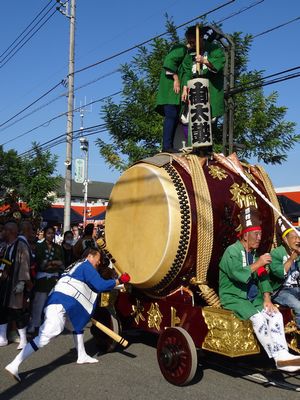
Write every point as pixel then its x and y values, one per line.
pixel 135 129
pixel 29 179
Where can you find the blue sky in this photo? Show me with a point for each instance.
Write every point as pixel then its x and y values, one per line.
pixel 104 28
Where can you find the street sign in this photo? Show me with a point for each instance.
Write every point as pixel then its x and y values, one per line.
pixel 79 170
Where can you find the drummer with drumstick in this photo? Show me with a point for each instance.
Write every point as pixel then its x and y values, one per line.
pixel 73 298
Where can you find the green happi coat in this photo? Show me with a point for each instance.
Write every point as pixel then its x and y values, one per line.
pixel 277 272
pixel 180 62
pixel 234 277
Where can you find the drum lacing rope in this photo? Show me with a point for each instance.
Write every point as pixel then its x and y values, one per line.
pixel 272 196
pixel 205 231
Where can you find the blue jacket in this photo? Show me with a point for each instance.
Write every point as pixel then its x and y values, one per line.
pixel 77 291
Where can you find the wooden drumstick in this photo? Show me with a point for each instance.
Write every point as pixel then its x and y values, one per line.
pixel 110 333
pixel 198 47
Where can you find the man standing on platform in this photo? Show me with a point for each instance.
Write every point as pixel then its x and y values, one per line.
pixel 245 289
pixel 178 67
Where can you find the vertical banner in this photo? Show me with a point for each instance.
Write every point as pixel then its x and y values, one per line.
pixel 79 170
pixel 200 130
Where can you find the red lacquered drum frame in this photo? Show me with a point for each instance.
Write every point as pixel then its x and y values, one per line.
pixel 152 221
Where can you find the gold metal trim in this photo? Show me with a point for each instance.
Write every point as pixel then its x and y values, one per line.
pixel 137 312
pixel 217 172
pixel 174 319
pixel 154 316
pixel 227 334
pixel 243 195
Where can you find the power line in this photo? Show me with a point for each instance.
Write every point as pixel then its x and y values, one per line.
pixel 97 79
pixel 55 99
pixel 276 27
pixel 269 76
pixel 28 26
pixel 256 3
pixel 26 41
pixel 242 89
pixel 102 127
pixel 75 138
pixel 62 139
pixel 108 74
pixel 58 116
pixel 48 142
pixel 236 90
pixel 31 104
pixel 260 82
pixel 151 39
pixel 34 111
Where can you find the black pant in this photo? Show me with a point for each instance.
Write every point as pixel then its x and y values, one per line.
pixel 171 112
pixel 20 316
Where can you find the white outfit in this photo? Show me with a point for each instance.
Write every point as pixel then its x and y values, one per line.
pixel 55 319
pixel 73 298
pixel 269 329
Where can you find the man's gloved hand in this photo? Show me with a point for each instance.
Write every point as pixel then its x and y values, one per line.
pixel 124 278
pixel 262 271
pixel 19 288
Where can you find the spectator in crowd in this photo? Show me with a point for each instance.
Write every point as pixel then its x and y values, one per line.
pixel 27 236
pixel 86 242
pixel 2 241
pixel 58 238
pixel 76 234
pixel 49 261
pixel 14 280
pixel 67 248
pixel 40 236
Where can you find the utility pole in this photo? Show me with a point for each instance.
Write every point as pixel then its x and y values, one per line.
pixel 68 161
pixel 84 146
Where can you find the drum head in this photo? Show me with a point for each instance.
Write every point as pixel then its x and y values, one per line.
pixel 142 226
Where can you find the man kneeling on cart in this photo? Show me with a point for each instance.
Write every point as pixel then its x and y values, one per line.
pixel 245 289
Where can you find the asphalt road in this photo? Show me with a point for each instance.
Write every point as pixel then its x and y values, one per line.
pixel 52 373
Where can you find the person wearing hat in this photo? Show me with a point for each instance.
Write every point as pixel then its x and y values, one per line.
pixel 285 269
pixel 177 70
pixel 244 288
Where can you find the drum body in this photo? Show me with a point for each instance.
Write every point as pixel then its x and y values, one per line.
pixel 152 221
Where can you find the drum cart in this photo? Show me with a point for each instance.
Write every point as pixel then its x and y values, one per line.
pixel 168 223
pixel 183 329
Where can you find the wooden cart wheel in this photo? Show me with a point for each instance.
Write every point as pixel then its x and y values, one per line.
pixel 177 356
pixel 103 341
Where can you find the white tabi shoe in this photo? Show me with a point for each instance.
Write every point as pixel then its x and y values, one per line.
pixel 286 361
pixel 83 357
pixel 13 367
pixel 87 360
pixel 23 338
pixel 3 342
pixel 3 337
pixel 13 371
